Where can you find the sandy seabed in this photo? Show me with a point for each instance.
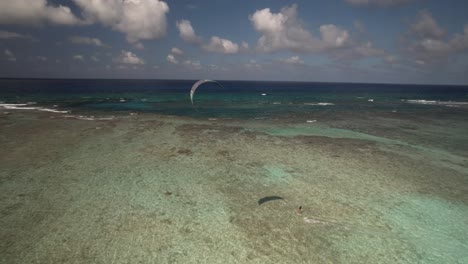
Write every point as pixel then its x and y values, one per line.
pixel 163 189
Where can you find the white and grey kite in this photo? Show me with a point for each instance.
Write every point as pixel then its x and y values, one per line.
pixel 200 82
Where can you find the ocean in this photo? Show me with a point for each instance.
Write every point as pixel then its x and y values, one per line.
pixel 236 99
pixel 126 171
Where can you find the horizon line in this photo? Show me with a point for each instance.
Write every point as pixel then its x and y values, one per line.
pixel 227 80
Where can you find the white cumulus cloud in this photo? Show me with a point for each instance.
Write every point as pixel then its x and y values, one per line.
pixel 170 58
pixel 78 57
pixel 86 41
pixel 187 33
pixel 192 64
pixel 282 30
pixel 137 19
pixel 215 43
pixel 285 31
pixel 427 27
pixel 333 36
pixel 420 62
pixel 295 60
pixel 253 65
pixel 33 12
pixel 220 45
pixel 128 57
pixel 177 51
pixel 368 50
pixel 428 42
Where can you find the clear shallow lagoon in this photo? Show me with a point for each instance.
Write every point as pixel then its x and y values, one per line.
pixel 132 172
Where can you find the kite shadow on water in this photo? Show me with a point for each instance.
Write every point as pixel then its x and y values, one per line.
pixel 268 199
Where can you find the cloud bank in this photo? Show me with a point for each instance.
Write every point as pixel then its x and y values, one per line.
pixel 427 42
pixel 27 12
pixel 137 19
pixel 284 31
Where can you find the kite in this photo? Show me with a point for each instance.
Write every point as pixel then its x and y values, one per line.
pixel 197 84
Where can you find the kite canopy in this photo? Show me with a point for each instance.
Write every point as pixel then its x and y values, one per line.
pixel 200 82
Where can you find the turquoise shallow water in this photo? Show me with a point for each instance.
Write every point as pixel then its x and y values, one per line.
pixel 133 173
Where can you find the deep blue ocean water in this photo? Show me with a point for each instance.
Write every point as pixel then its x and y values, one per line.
pixel 238 99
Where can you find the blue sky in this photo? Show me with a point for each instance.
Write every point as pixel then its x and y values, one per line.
pixel 384 41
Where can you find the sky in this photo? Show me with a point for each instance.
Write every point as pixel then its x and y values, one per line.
pixel 377 41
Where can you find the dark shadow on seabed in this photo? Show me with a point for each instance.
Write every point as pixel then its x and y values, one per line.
pixel 268 199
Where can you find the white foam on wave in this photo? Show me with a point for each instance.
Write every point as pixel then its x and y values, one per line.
pixel 20 108
pixel 421 101
pixel 453 103
pixel 29 107
pixel 432 102
pixel 89 118
pixel 12 105
pixel 53 110
pixel 320 103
